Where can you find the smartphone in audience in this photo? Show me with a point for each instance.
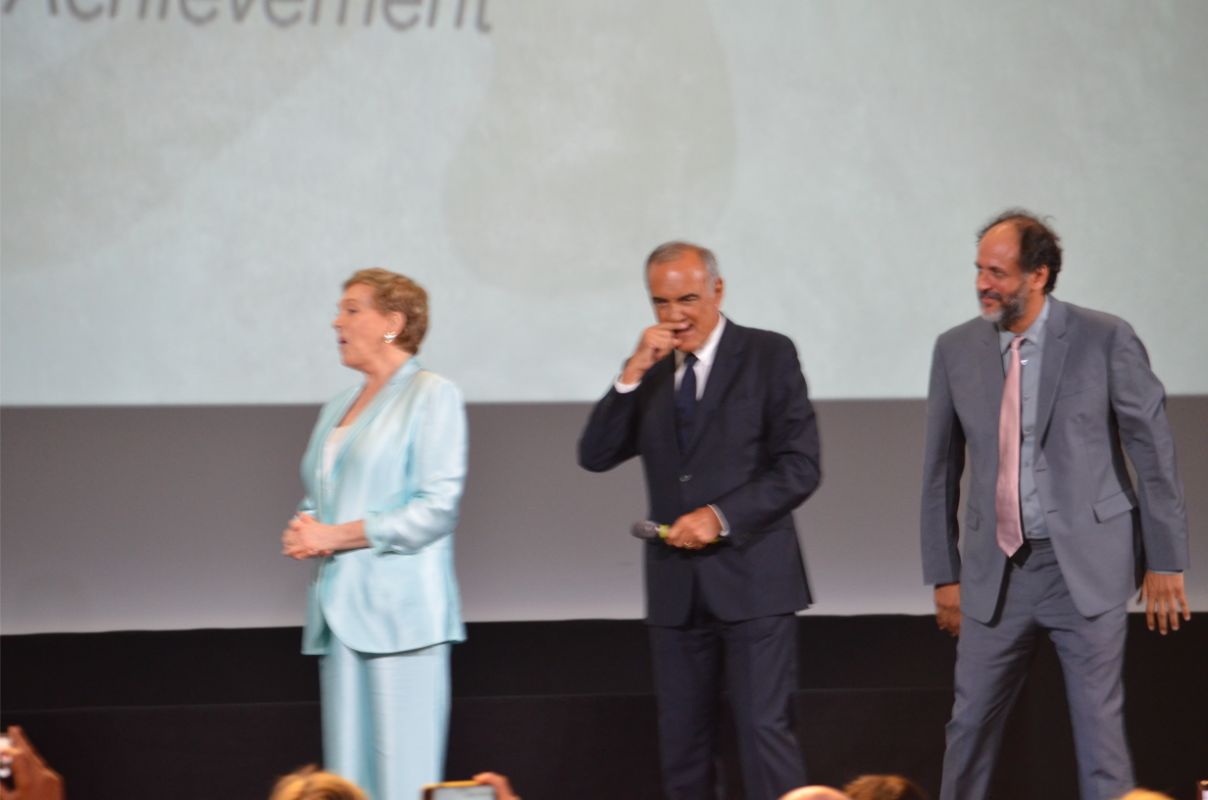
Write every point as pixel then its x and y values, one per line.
pixel 6 761
pixel 458 790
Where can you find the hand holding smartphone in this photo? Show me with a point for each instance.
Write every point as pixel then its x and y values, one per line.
pixel 6 760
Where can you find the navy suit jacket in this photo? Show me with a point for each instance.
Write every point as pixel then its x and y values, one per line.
pixel 754 454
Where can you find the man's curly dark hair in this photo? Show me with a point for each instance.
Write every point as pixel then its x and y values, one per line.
pixel 1039 245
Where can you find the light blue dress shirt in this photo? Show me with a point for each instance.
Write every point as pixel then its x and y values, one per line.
pixel 1031 350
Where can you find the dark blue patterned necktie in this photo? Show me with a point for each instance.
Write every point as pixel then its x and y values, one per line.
pixel 685 402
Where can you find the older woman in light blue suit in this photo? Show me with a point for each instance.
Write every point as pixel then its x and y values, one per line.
pixel 383 473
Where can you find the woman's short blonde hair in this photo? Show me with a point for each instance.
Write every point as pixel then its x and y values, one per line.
pixel 394 292
pixel 310 783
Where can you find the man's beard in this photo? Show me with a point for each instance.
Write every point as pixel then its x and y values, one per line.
pixel 1010 307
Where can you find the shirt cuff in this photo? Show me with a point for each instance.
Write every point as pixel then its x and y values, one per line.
pixel 725 526
pixel 624 388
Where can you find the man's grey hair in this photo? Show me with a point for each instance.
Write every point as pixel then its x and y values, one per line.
pixel 670 251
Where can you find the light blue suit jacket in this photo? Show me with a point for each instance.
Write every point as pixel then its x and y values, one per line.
pixel 400 469
pixel 1098 400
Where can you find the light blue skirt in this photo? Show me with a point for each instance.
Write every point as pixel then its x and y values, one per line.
pixel 385 717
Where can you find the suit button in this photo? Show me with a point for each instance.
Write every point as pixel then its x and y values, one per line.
pixel 685 478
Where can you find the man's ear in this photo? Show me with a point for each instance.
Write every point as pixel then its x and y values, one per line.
pixel 1039 277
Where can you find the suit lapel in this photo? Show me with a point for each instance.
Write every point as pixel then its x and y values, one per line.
pixel 400 379
pixel 1052 364
pixel 726 364
pixel 988 354
pixel 327 423
pixel 661 416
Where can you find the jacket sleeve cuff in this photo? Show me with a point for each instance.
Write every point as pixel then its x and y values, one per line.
pixel 725 524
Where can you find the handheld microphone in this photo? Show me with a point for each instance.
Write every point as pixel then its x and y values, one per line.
pixel 649 531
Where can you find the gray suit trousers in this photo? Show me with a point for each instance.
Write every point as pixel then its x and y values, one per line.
pixel 992 662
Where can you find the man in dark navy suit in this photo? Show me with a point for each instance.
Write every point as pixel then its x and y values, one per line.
pixel 721 417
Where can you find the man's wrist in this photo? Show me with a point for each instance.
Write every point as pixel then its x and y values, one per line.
pixel 721 519
pixel 631 374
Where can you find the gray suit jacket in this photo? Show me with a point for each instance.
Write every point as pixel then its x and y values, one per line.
pixel 1097 396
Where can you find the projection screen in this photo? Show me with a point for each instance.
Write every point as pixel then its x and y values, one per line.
pixel 186 184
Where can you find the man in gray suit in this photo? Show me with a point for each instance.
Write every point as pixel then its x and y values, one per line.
pixel 1045 398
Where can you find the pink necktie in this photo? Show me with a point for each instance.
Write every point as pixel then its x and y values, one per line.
pixel 1006 495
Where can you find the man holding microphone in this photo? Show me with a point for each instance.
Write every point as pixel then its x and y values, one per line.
pixel 721 418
